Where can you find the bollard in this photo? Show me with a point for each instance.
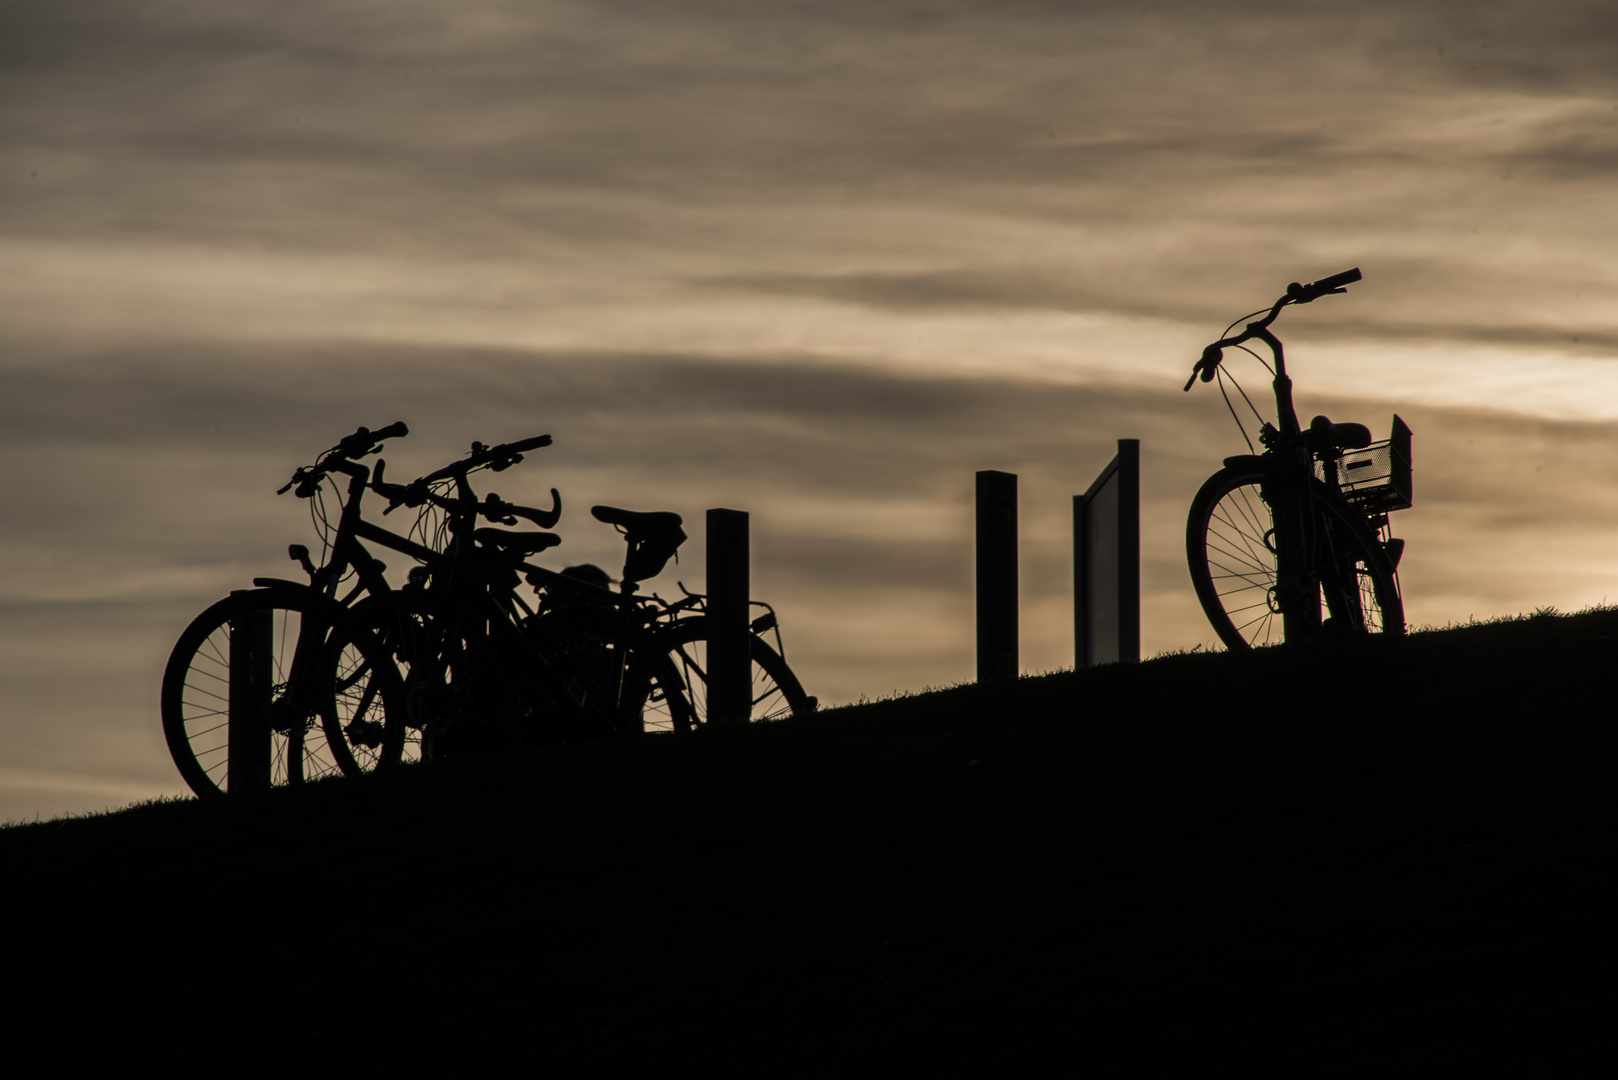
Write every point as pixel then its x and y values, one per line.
pixel 247 766
pixel 730 661
pixel 997 575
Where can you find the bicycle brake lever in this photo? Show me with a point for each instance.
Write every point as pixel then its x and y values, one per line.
pixel 1206 367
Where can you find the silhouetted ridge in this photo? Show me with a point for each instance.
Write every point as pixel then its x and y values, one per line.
pixel 1318 861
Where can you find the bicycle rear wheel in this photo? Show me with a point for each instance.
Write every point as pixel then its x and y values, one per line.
pixel 1357 580
pixel 475 683
pixel 650 695
pixel 1231 553
pixel 306 702
pixel 776 694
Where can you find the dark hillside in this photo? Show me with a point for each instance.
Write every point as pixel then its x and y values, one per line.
pixel 1391 860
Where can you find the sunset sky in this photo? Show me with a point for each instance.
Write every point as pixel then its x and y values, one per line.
pixel 818 261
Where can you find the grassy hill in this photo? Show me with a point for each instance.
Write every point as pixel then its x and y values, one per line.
pixel 1390 859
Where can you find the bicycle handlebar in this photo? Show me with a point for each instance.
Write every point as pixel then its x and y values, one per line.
pixel 1208 366
pixel 364 441
pixel 498 458
pixel 418 492
pixel 1303 294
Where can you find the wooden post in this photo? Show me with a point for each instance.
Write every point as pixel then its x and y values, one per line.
pixel 997 575
pixel 247 764
pixel 1106 563
pixel 730 661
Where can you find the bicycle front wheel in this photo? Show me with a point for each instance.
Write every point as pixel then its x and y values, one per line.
pixel 304 702
pixel 1231 553
pixel 776 693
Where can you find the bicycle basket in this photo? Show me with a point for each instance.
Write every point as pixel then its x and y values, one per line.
pixel 1378 479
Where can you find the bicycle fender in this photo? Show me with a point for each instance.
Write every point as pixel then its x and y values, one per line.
pixel 280 584
pixel 1246 461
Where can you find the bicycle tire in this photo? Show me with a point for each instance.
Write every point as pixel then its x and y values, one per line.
pixel 469 692
pixel 196 696
pixel 777 693
pixel 651 697
pixel 1231 557
pixel 459 695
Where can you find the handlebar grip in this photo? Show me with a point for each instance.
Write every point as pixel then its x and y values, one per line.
pixel 524 445
pixel 394 493
pixel 365 441
pixel 1303 294
pixel 1336 281
pixel 497 509
pixel 545 519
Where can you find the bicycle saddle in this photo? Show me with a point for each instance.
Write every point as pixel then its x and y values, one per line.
pixel 515 542
pixel 635 521
pixel 1322 434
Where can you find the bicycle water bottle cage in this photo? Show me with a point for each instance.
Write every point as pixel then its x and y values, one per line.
pixel 1323 435
pixel 653 539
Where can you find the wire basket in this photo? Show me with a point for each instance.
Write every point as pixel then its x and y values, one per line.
pixel 1378 479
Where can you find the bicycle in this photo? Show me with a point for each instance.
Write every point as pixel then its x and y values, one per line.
pixel 281 684
pixel 242 705
pixel 1294 542
pixel 485 671
pixel 679 630
pixel 291 681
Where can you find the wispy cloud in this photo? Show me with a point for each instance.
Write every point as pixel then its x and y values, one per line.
pixel 821 260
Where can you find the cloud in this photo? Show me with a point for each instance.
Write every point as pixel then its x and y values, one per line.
pixel 819 261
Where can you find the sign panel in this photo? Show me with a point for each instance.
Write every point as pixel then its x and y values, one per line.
pixel 1106 563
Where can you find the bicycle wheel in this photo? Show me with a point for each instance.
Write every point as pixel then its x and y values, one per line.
pixel 306 703
pixel 1357 582
pixel 651 696
pixel 776 691
pixel 460 695
pixel 1231 552
pixel 474 683
pixel 361 740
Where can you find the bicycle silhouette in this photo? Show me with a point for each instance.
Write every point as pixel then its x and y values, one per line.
pixel 292 681
pixel 1294 542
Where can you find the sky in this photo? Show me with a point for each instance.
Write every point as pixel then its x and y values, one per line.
pixel 817 261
